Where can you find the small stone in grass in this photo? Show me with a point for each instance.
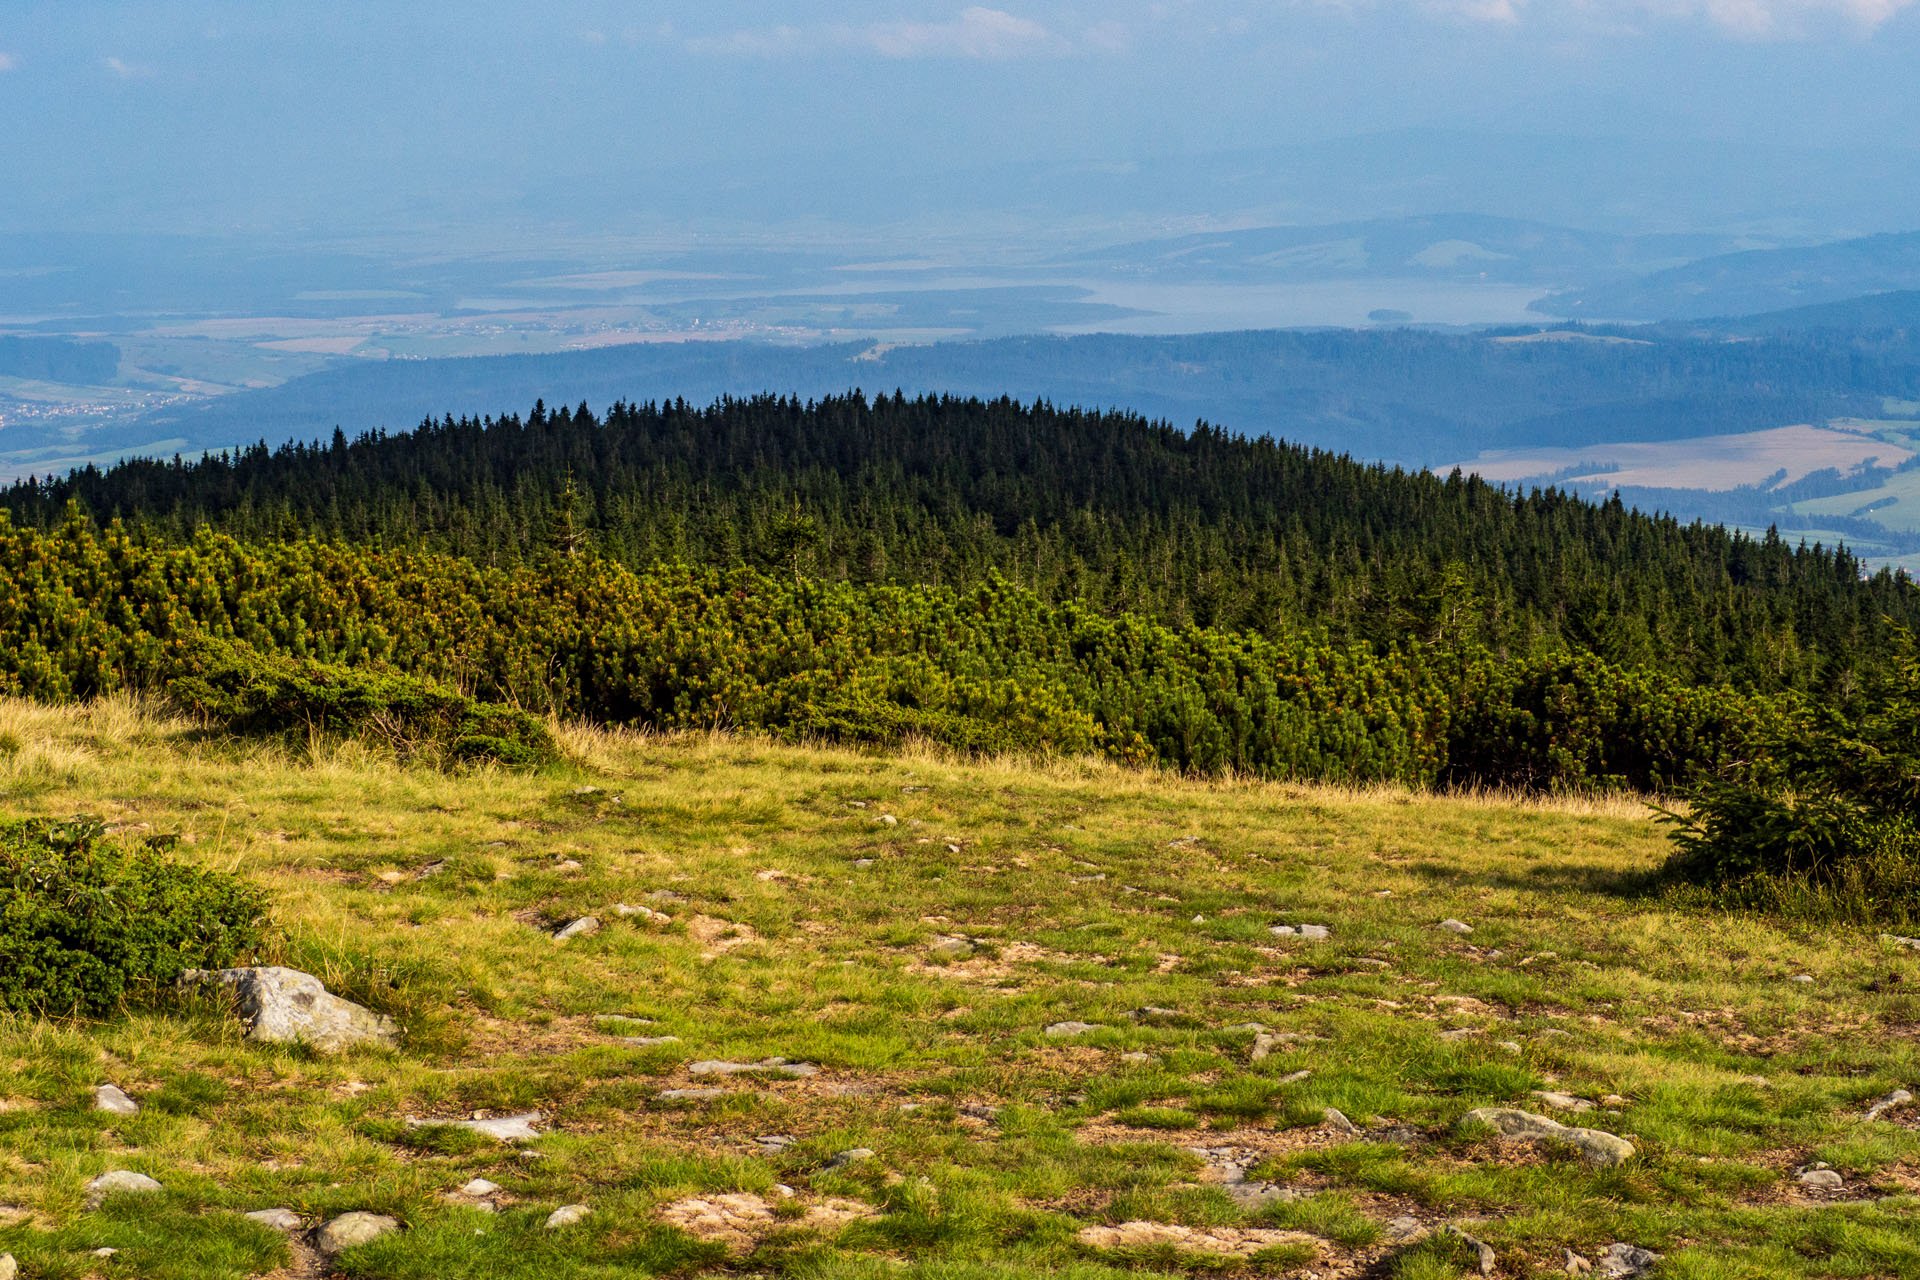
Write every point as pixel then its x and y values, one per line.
pixel 1460 927
pixel 1899 1097
pixel 951 948
pixel 479 1187
pixel 1136 1058
pixel 566 1215
pixel 863 863
pixel 578 929
pixel 692 1095
pixel 1071 1028
pixel 110 1099
pixel 1801 978
pixel 119 1181
pixel 351 1229
pixel 278 1219
pixel 648 1042
pixel 851 1155
pixel 1822 1179
pixel 888 820
pixel 1337 1120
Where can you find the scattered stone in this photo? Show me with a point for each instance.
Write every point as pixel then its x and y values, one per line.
pixel 479 1187
pixel 9 1269
pixel 1613 1102
pixel 1801 977
pixel 1460 1033
pixel 947 947
pixel 567 864
pixel 1316 932
pixel 1237 1242
pixel 119 1182
pixel 856 804
pixel 1072 1028
pixel 852 1155
pixel 351 1229
pixel 1898 1098
pixel 1562 1101
pixel 1822 1179
pixel 1509 1046
pixel 1337 1120
pixel 1137 1058
pixel 952 847
pixel 1626 1261
pixel 624 911
pixel 1198 920
pixel 586 791
pixel 1153 1013
pixel 1263 1045
pixel 517 1128
pixel 888 820
pixel 105 1251
pixel 279 1219
pixel 863 863
pixel 566 1215
pixel 1573 1264
pixel 286 1006
pixel 774 1143
pixel 1483 1251
pixel 667 896
pixel 1898 941
pixel 1460 927
pixel 692 1095
pixel 1243 1028
pixel 1598 1148
pixel 110 1099
pixel 1294 1078
pixel 770 1066
pixel 1405 1229
pixel 648 1042
pixel 578 929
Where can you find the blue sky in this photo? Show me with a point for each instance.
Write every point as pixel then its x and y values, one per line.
pixel 185 114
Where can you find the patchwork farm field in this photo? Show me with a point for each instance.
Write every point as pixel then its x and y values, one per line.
pixel 910 1015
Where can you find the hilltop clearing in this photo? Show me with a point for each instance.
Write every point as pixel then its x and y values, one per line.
pixel 902 1015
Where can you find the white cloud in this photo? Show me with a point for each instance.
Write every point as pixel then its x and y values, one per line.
pixel 1740 17
pixel 9 62
pixel 976 32
pixel 126 70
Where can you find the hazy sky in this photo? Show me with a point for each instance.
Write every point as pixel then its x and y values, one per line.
pixel 260 114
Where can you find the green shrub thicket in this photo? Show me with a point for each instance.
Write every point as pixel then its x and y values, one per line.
pixel 994 667
pixel 1823 817
pixel 87 922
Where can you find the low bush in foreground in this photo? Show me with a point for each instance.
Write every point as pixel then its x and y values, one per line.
pixel 87 921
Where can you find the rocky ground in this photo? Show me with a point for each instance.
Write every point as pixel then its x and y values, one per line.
pixel 712 1006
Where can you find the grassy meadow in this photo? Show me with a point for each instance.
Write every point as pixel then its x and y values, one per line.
pixel 912 924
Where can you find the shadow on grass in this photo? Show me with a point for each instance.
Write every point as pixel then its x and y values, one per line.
pixel 1644 885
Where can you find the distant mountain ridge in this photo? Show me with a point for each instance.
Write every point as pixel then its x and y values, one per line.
pixel 1751 283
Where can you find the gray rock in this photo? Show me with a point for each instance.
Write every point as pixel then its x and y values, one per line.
pixel 1072 1028
pixel 769 1066
pixel 1294 1078
pixel 1258 1195
pixel 578 929
pixel 1895 939
pixel 1598 1148
pixel 1337 1120
pixel 8 1267
pixel 1562 1101
pixel 350 1230
pixel 479 1187
pixel 1316 932
pixel 518 1128
pixel 566 1215
pixel 110 1099
pixel 286 1006
pixel 692 1095
pixel 1405 1229
pixel 667 897
pixel 774 1143
pixel 279 1219
pixel 1822 1179
pixel 1460 927
pixel 1626 1261
pixel 1573 1264
pixel 1898 1098
pixel 1801 978
pixel 648 1042
pixel 120 1182
pixel 1153 1013
pixel 624 911
pixel 1263 1046
pixel 1483 1252
pixel 951 948
pixel 852 1155
pixel 862 863
pixel 1136 1058
pixel 1245 1028
pixel 888 820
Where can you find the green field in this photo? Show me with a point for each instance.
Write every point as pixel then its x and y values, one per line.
pixel 912 925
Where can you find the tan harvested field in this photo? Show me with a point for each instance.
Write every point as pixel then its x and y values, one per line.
pixel 1707 462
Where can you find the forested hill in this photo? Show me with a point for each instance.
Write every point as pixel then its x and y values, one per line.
pixel 1128 514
